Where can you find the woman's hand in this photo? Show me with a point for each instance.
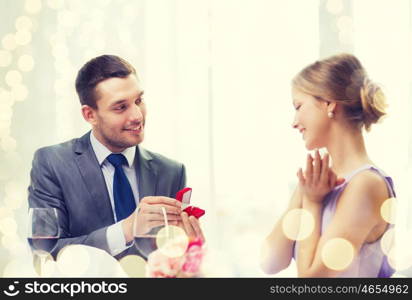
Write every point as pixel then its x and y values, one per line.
pixel 318 179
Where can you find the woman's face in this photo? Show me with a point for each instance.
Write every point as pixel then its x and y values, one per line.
pixel 311 119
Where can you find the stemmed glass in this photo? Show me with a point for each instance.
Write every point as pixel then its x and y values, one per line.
pixel 43 233
pixel 145 234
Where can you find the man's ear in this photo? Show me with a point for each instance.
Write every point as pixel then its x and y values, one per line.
pixel 331 106
pixel 89 114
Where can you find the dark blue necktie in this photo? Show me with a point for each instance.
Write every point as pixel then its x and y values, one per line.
pixel 124 203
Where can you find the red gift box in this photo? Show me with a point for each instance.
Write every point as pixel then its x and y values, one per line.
pixel 184 197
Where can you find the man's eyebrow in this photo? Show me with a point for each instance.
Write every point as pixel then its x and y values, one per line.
pixel 140 95
pixel 118 102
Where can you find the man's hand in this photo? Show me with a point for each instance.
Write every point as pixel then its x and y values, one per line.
pixel 149 214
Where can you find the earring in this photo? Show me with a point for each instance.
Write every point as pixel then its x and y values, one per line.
pixel 331 114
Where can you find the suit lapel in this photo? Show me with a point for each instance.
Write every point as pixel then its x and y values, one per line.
pixel 146 173
pixel 93 177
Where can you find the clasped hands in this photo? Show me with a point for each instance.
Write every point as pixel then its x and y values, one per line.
pixel 318 179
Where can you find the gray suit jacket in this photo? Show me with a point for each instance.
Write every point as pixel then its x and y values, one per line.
pixel 68 177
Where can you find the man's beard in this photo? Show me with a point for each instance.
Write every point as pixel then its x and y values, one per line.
pixel 117 143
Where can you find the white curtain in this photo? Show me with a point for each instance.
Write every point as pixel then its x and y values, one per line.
pixel 385 50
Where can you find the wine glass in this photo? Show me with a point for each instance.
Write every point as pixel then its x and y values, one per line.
pixel 145 234
pixel 43 232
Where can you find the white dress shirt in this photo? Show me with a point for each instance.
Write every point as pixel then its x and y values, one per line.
pixel 114 234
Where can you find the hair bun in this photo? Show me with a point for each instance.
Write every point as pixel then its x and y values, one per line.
pixel 343 79
pixel 373 103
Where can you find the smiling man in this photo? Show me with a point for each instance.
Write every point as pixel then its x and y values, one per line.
pixel 105 186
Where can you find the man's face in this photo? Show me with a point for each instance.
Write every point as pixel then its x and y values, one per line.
pixel 118 122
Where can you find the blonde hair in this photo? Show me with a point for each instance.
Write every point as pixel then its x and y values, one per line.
pixel 343 79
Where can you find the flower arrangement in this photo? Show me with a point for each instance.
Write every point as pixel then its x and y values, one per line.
pixel 162 265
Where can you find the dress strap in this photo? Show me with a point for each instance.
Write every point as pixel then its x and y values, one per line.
pixel 388 180
pixel 357 171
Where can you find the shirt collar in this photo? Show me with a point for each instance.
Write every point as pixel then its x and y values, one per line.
pixel 102 152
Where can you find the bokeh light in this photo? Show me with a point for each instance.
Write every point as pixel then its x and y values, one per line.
pixel 4 131
pixel 87 261
pixel 13 203
pixel 133 265
pixel 67 18
pixel 298 224
pixel 392 258
pixel 26 63
pixel 400 259
pixel 387 241
pixel 16 194
pixel 13 78
pixel 19 92
pixel 24 23
pixel 104 3
pixel 334 6
pixel 20 267
pixel 60 50
pixel 9 42
pixel 388 210
pixel 23 37
pixel 337 254
pixel 55 4
pixel 61 86
pixel 128 13
pixel 17 246
pixel 8 143
pixel 5 58
pixel 345 23
pixel 8 226
pixel 346 37
pixel 396 275
pixel 6 98
pixel 400 256
pixel 172 241
pixel 53 39
pixel 99 44
pixel 6 212
pixel 10 241
pixel 49 268
pixel 78 6
pixel 33 6
pixel 6 113
pixel 73 260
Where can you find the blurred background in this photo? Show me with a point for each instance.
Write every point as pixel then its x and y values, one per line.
pixel 217 79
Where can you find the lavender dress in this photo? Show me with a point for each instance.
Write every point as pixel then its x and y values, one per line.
pixel 370 261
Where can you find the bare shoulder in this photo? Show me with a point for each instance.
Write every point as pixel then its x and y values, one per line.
pixel 368 186
pixel 368 181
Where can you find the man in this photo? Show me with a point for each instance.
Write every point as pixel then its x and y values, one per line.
pixel 104 186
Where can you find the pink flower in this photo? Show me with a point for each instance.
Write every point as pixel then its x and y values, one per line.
pixel 161 265
pixel 193 260
pixel 187 265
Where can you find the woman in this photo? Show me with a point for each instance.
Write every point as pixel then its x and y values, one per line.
pixel 334 100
